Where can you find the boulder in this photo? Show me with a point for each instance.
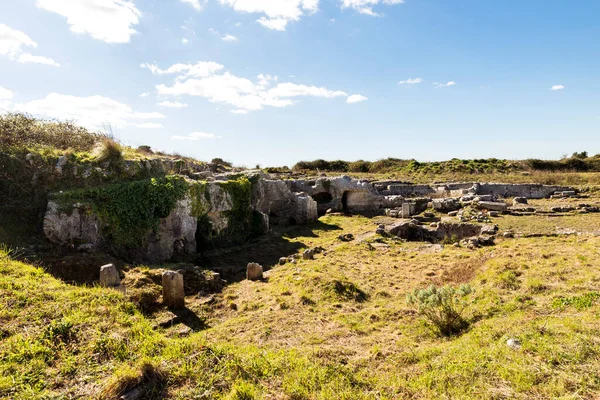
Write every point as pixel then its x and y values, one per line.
pixel 109 276
pixel 308 254
pixel 254 272
pixel 519 200
pixel 446 204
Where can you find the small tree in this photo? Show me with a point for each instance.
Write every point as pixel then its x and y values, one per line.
pixel 442 307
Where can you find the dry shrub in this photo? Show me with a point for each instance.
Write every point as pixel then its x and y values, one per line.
pixel 147 378
pixel 110 151
pixel 23 131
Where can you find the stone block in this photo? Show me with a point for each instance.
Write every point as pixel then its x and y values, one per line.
pixel 173 291
pixel 254 272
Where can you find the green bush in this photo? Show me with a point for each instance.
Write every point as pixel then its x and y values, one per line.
pixel 442 307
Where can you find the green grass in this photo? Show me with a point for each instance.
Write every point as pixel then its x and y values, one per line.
pixel 330 328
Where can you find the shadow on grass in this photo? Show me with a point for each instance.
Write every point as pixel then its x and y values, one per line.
pixel 186 317
pixel 231 262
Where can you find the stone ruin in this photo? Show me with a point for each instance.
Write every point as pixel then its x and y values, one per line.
pixel 287 202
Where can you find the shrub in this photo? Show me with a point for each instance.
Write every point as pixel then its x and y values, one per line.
pixel 442 307
pixel 20 130
pixel 110 151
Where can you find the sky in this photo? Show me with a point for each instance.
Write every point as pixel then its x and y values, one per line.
pixel 272 82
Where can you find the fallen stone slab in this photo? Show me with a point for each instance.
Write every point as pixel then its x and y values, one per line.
pixel 493 206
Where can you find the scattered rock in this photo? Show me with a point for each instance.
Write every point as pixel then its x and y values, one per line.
pixel 509 234
pixel 489 229
pixel 109 276
pixel 283 260
pixel 446 204
pixel 453 213
pixel 519 200
pixel 308 254
pixel 346 237
pixel 513 343
pixel 562 209
pixel 485 240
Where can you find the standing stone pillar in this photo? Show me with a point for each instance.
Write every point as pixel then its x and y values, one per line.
pixel 254 272
pixel 406 210
pixel 109 276
pixel 173 292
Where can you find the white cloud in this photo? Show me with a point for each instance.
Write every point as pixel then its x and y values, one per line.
pixel 5 98
pixel 184 41
pixel 93 112
pixel 194 3
pixel 276 24
pixel 170 104
pixel 277 13
pixel 441 85
pixel 5 94
pixel 144 94
pixel 29 58
pixel 366 6
pixel 356 98
pixel 197 136
pixel 11 43
pixel 557 87
pixel 241 93
pixel 199 70
pixel 12 40
pixel 148 125
pixel 229 38
pixel 111 21
pixel 410 81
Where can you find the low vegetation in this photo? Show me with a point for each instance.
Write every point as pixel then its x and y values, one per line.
pixel 578 162
pixel 442 307
pixel 339 326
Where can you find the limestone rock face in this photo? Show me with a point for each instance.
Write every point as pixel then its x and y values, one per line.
pixel 282 206
pixel 176 234
pixel 74 227
pixel 341 194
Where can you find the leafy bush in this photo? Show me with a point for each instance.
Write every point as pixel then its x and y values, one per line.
pixel 24 131
pixel 442 307
pixel 580 303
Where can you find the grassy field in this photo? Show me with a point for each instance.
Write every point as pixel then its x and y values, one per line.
pixel 337 327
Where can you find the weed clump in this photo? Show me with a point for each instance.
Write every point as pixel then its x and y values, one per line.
pixel 147 379
pixel 345 290
pixel 442 307
pixel 110 151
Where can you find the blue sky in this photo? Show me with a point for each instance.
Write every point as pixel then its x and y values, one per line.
pixel 271 82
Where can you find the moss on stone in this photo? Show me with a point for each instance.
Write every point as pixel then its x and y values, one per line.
pixel 130 210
